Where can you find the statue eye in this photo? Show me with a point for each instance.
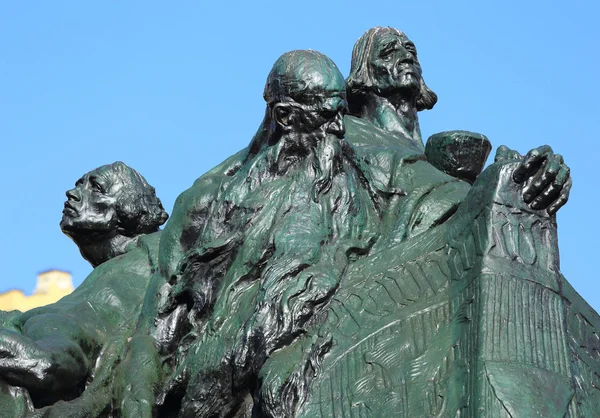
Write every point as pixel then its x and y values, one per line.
pixel 387 51
pixel 97 187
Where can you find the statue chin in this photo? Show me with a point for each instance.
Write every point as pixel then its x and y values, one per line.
pixel 67 224
pixel 75 227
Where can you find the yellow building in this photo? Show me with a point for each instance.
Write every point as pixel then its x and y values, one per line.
pixel 51 286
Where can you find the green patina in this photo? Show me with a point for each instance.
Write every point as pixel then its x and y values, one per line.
pixel 335 267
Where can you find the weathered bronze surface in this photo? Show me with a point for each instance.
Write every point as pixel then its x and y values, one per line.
pixel 334 267
pixel 68 350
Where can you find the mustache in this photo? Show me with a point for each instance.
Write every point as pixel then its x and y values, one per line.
pixel 408 65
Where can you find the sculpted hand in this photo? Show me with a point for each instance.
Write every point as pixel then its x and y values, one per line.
pixel 545 178
pixel 20 361
pixel 45 365
pixel 503 153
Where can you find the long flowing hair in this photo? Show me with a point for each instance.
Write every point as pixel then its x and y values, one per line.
pixel 361 80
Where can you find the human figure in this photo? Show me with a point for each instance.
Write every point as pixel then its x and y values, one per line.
pixel 276 241
pixel 385 91
pixel 311 209
pixel 113 215
pixel 418 198
pixel 386 86
pixel 221 238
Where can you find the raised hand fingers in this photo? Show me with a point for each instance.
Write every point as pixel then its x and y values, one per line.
pixel 503 153
pixel 549 194
pixel 562 199
pixel 532 162
pixel 552 192
pixel 545 176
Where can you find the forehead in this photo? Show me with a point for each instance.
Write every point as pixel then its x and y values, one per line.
pixel 325 83
pixel 384 38
pixel 326 90
pixel 105 173
pixel 326 99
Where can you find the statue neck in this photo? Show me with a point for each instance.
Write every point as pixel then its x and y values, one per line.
pixel 394 114
pixel 96 251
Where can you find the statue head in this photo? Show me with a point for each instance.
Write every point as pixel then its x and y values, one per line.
pixel 306 99
pixel 384 63
pixel 111 200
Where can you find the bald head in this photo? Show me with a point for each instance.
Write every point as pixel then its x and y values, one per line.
pixel 306 98
pixel 300 75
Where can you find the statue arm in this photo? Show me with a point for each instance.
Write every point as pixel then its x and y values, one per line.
pixel 541 176
pixel 51 363
pixel 93 402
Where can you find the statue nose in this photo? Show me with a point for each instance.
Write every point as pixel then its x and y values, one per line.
pixel 407 57
pixel 337 127
pixel 73 195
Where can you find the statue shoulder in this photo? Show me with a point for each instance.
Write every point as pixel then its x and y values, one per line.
pixel 225 169
pixel 129 270
pixel 204 188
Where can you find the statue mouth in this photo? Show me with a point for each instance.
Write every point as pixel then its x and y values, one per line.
pixel 69 209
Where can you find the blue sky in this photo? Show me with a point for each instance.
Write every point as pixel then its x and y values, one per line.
pixel 173 89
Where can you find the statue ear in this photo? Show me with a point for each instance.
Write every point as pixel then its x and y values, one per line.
pixel 283 114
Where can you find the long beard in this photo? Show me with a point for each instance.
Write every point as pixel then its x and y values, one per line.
pixel 326 163
pixel 320 158
pixel 293 159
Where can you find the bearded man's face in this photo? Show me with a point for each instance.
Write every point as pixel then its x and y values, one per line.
pixel 394 65
pixel 316 108
pixel 323 115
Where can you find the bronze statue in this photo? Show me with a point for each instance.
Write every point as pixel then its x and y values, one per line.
pixel 108 209
pixel 113 216
pixel 385 85
pixel 297 171
pixel 334 267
